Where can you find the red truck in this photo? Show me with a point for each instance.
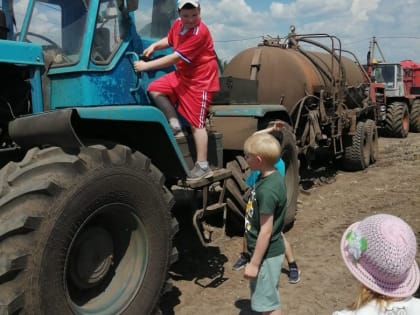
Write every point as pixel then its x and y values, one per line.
pixel 401 113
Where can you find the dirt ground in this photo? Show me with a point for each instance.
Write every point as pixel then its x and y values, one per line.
pixel 204 282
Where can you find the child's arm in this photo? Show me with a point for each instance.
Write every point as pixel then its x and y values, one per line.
pixel 155 64
pixel 277 126
pixel 158 63
pixel 160 44
pixel 263 239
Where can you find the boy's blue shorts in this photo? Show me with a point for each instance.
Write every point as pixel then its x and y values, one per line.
pixel 265 287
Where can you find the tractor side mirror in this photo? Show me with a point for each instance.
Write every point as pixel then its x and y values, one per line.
pixel 130 5
pixel 111 11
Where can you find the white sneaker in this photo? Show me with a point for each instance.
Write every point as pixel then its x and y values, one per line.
pixel 198 173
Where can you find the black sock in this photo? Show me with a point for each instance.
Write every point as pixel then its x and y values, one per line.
pixel 293 264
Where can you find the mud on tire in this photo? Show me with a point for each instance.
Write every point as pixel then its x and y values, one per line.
pixel 83 233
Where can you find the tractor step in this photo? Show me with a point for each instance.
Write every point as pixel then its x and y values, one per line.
pixel 218 175
pixel 208 207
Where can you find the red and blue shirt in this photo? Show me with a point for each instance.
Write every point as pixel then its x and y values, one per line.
pixel 198 65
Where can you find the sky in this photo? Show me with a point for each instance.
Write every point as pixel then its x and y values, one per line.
pixel 240 24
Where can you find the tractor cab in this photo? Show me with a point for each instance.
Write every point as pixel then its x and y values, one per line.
pixel 89 46
pixel 391 75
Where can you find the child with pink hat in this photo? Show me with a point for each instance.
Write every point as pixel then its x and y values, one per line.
pixel 380 252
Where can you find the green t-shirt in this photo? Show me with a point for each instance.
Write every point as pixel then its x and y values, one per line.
pixel 268 196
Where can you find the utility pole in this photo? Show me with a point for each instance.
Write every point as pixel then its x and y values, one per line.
pixel 371 53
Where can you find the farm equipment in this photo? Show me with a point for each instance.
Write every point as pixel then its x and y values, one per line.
pixel 401 112
pixel 327 99
pixel 90 168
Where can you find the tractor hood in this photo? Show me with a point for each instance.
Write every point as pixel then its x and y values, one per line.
pixel 20 53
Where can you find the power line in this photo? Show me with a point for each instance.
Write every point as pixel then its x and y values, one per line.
pixel 398 36
pixel 237 40
pixel 347 43
pixel 384 37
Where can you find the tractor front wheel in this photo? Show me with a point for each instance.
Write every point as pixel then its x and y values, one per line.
pixel 415 116
pixel 397 121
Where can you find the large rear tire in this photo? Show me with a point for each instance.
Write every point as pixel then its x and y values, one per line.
pixel 397 122
pixel 89 233
pixel 415 116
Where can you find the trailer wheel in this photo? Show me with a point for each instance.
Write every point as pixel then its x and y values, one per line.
pixel 397 120
pixel 238 191
pixel 357 149
pixel 373 140
pixel 415 116
pixel 85 233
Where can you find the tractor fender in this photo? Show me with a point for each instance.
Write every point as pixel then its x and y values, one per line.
pixel 247 118
pixel 250 110
pixel 142 128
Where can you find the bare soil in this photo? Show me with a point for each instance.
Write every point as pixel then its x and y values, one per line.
pixel 330 200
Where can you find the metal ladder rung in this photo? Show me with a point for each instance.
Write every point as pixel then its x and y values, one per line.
pixel 213 208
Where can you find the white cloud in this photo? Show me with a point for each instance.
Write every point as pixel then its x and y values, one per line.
pixel 360 9
pixel 396 23
pixel 282 10
pixel 240 24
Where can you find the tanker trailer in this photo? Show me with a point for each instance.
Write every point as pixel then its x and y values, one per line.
pixel 324 96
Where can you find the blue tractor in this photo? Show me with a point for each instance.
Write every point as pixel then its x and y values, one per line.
pixel 89 166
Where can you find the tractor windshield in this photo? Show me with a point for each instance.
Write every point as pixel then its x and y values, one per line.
pixel 57 25
pixel 109 31
pixel 385 74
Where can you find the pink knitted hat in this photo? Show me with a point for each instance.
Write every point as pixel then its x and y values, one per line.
pixel 380 251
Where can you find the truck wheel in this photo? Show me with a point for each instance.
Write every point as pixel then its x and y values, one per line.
pixel 357 149
pixel 238 192
pixel 415 116
pixel 89 233
pixel 397 120
pixel 373 140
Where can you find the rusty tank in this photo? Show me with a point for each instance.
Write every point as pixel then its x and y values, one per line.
pixel 287 75
pixel 320 89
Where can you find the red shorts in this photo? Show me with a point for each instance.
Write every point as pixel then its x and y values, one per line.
pixel 193 104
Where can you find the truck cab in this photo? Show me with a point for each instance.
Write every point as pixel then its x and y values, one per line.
pixel 392 76
pixel 402 90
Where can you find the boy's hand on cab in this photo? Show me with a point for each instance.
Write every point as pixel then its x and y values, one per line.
pixel 148 51
pixel 139 65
